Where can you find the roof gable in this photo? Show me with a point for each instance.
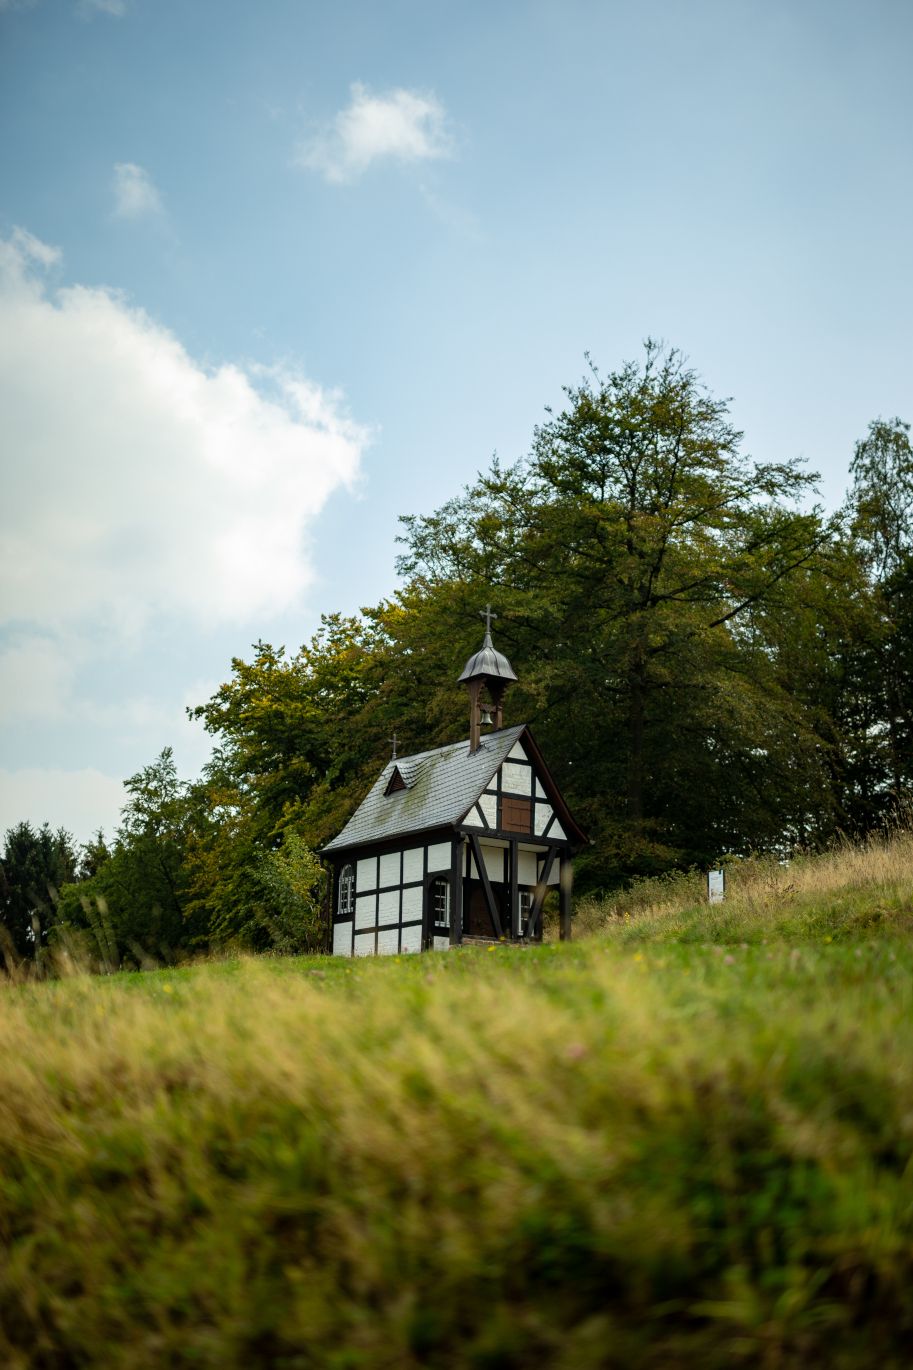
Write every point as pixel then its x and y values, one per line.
pixel 439 789
pixel 440 786
pixel 523 778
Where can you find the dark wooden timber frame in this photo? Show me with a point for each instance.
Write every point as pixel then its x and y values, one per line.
pixel 456 892
pixel 482 868
pixel 465 838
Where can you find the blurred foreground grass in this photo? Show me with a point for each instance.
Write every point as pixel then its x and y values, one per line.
pixel 685 1140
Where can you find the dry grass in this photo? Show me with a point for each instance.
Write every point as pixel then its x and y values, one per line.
pixel 690 1150
pixel 842 892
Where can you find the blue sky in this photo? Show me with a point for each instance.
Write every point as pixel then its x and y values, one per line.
pixel 272 274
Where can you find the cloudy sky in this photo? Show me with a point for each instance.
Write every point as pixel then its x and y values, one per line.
pixel 273 273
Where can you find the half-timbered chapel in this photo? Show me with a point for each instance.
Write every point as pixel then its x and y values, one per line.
pixel 458 843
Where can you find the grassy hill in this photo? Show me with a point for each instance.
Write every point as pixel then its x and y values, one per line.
pixel 685 1139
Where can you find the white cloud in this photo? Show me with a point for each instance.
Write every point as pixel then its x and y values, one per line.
pixel 139 483
pixel 80 801
pixel 36 678
pixel 135 193
pixel 403 125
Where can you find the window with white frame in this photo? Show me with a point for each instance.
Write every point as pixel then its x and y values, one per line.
pixel 440 901
pixel 346 904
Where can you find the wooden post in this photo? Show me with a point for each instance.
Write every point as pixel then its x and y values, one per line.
pixel 566 886
pixel 514 889
pixel 496 690
pixel 475 727
pixel 456 892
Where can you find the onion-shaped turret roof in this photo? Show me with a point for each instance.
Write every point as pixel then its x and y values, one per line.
pixel 489 663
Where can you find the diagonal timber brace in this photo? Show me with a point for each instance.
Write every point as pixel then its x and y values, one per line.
pixel 486 884
pixel 535 912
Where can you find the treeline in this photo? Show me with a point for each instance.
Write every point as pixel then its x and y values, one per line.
pixel 711 664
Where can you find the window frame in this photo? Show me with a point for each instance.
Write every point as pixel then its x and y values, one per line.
pixel 345 894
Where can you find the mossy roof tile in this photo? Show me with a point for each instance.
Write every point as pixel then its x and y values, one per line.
pixel 442 785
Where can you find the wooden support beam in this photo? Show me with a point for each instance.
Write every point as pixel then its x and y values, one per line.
pixel 541 891
pixel 486 885
pixel 566 888
pixel 514 887
pixel 456 892
pixel 475 726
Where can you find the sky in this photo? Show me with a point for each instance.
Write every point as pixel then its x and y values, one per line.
pixel 273 274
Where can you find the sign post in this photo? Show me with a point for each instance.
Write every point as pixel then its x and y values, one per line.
pixel 716 886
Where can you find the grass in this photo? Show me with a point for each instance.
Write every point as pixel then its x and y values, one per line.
pixel 685 1139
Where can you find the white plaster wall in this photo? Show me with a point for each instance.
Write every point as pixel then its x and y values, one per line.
pixel 388 942
pixel 389 868
pixel 364 944
pixel 517 778
pixel 342 939
pixel 493 856
pixel 540 792
pixel 557 830
pixel 517 752
pixel 388 907
pixel 489 806
pixel 366 874
pixel 541 818
pixel 364 910
pixel 412 938
pixel 412 903
pixel 413 863
pixel 439 857
pixel 526 867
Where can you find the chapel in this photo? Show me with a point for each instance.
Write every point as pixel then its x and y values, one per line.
pixel 459 843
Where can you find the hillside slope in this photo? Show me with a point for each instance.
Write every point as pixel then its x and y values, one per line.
pixel 683 1140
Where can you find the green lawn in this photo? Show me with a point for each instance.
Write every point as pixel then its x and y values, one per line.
pixel 683 1140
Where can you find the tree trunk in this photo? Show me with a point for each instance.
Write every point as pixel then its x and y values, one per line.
pixel 637 693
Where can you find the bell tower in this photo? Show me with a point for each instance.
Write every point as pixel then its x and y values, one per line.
pixel 487 671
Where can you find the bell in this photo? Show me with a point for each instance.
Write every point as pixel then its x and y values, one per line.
pixel 486 719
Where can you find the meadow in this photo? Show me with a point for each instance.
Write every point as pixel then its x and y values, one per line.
pixel 683 1139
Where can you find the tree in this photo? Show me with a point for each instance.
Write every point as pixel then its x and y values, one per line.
pixel 687 638
pixel 133 902
pixel 631 556
pixel 36 864
pixel 882 494
pixel 294 885
pixel 881 513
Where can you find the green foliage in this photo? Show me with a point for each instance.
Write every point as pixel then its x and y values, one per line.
pixel 882 496
pixel 711 668
pixel 35 865
pixel 132 904
pixel 632 556
pixel 295 886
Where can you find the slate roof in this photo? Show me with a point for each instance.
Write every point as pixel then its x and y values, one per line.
pixel 442 785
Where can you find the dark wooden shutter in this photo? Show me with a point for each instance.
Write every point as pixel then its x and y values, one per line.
pixel 516 815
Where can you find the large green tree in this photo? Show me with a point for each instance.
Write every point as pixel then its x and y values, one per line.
pixel 632 555
pixel 36 864
pixel 133 898
pixel 881 526
pixel 639 563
